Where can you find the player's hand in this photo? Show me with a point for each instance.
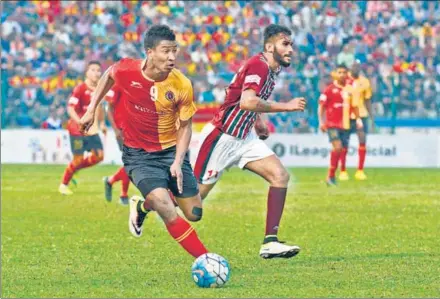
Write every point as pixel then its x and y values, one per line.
pixel 359 124
pixel 262 130
pixel 86 121
pixel 176 172
pixel 323 127
pixel 296 104
pixel 118 134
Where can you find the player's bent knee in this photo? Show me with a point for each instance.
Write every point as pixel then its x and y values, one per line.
pixel 77 160
pixel 100 156
pixel 193 217
pixel 279 177
pixel 337 148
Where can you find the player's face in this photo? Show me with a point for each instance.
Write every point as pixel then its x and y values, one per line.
pixel 283 50
pixel 341 75
pixel 93 73
pixel 355 70
pixel 164 56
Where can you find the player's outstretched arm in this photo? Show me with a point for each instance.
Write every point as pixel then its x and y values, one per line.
pixel 105 83
pixel 184 134
pixel 251 102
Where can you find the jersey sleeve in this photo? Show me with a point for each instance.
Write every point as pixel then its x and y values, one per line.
pixel 368 91
pixel 75 97
pixel 111 96
pixel 323 98
pixel 256 76
pixel 115 69
pixel 186 106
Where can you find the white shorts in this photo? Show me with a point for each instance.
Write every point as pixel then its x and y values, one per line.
pixel 218 151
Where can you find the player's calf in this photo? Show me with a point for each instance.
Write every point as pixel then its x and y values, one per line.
pixel 71 168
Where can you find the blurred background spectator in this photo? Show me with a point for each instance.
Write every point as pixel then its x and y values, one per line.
pixel 47 44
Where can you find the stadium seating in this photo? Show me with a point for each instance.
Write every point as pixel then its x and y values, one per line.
pixel 46 45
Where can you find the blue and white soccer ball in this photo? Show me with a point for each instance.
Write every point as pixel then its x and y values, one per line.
pixel 210 270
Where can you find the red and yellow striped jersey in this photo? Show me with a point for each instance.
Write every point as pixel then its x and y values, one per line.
pixel 151 108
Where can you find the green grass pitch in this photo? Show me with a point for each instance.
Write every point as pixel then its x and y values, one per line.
pixel 378 238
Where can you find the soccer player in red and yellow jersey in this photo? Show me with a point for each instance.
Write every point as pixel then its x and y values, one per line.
pixel 336 104
pixel 155 152
pixel 362 93
pixel 79 142
pixel 115 115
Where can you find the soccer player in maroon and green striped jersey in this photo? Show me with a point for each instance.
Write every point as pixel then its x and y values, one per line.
pixel 229 139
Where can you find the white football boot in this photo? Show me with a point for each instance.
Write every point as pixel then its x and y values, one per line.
pixel 276 249
pixel 136 218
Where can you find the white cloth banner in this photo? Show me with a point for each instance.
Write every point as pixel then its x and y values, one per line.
pixel 405 150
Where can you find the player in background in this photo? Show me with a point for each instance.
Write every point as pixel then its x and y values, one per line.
pixel 362 92
pixel 115 115
pixel 336 103
pixel 229 140
pixel 79 142
pixel 155 153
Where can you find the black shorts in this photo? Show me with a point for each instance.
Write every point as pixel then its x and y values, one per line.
pixel 81 144
pixel 353 128
pixel 149 171
pixel 339 134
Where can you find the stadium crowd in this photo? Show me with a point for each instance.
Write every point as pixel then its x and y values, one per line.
pixel 46 46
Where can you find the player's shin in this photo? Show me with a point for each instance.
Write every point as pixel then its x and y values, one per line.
pixel 275 206
pixel 186 236
pixel 343 159
pixel 125 185
pixel 71 168
pixel 68 173
pixel 362 152
pixel 334 159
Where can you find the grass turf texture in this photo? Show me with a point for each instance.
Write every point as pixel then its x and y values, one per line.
pixel 377 238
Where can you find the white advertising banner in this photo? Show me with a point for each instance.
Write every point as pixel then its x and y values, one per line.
pixel 405 150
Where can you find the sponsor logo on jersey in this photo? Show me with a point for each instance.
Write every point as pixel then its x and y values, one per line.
pixel 136 84
pixel 169 95
pixel 252 79
pixel 73 100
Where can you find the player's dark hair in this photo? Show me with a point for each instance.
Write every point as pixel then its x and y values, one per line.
pixel 273 30
pixel 341 66
pixel 156 34
pixel 93 62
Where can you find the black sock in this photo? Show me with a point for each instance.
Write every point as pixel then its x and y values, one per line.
pixel 269 239
pixel 139 207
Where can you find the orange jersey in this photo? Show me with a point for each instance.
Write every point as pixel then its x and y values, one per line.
pixel 151 109
pixel 338 102
pixel 362 93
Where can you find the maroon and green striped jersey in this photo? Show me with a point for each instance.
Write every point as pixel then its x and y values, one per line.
pixel 254 74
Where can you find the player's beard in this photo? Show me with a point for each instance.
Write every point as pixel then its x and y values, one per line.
pixel 279 59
